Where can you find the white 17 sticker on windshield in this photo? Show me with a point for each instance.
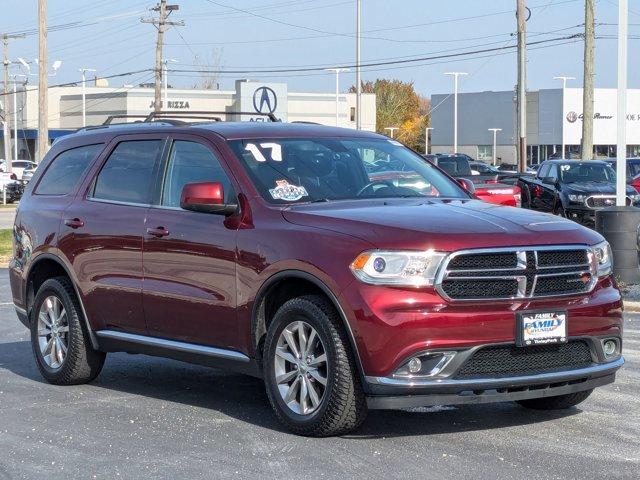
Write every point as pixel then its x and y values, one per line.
pixel 285 191
pixel 274 148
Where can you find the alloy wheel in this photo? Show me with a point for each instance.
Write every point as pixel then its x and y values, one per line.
pixel 53 332
pixel 301 368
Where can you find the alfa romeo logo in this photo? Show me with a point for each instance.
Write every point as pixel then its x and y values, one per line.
pixel 265 100
pixel 572 117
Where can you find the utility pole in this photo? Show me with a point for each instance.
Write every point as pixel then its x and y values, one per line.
pixel 358 79
pixel 43 92
pixel 621 120
pixel 521 109
pixel 6 37
pixel 161 24
pixel 587 89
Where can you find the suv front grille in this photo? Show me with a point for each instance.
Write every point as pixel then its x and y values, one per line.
pixel 601 201
pixel 527 272
pixel 509 360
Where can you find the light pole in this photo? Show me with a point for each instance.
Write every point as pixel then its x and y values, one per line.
pixel 621 149
pixel 165 61
pixel 493 151
pixel 426 139
pixel 337 72
pixel 455 76
pixel 391 130
pixel 84 94
pixel 564 79
pixel 358 80
pixel 15 114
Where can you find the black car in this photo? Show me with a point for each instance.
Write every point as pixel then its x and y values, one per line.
pixel 573 189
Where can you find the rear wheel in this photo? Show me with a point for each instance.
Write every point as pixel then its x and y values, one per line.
pixel 60 342
pixel 310 376
pixel 559 402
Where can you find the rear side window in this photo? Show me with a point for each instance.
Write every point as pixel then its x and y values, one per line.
pixel 66 170
pixel 127 175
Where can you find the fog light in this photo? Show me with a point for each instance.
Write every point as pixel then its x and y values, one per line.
pixel 609 347
pixel 415 365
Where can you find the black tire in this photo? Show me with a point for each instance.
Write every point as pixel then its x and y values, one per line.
pixel 82 363
pixel 343 406
pixel 559 402
pixel 559 210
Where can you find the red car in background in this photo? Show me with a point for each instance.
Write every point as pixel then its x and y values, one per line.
pixel 508 195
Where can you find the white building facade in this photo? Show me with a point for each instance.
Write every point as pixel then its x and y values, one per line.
pixel 552 115
pixel 254 98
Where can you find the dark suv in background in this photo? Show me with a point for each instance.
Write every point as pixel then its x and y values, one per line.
pixel 337 265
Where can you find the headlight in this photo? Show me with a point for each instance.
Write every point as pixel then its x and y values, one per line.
pixel 397 267
pixel 577 198
pixel 603 258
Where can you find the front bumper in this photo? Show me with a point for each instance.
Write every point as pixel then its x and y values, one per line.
pixel 390 393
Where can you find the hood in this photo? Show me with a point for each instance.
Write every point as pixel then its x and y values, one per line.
pixel 444 225
pixel 594 188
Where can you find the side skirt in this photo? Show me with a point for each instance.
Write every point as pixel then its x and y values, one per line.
pixel 115 341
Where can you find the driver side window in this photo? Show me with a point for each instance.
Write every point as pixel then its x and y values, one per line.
pixel 192 162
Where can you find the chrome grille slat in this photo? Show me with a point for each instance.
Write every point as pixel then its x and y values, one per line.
pixel 539 271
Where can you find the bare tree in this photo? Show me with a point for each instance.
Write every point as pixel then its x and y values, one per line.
pixel 210 66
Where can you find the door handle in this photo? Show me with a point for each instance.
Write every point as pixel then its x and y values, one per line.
pixel 158 232
pixel 74 222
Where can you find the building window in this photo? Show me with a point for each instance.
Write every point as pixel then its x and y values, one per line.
pixel 352 114
pixel 485 153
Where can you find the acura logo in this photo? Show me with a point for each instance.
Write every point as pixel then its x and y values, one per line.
pixel 265 100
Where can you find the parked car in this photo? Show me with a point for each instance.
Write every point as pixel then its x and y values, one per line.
pixel 18 167
pixel 633 171
pixel 499 194
pixel 27 173
pixel 10 189
pixel 279 250
pixel 573 189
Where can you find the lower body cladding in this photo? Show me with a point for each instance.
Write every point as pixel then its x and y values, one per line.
pixel 500 373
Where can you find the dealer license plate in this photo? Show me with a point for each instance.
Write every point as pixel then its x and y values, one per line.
pixel 541 328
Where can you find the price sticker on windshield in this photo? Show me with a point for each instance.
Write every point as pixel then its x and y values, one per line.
pixel 273 151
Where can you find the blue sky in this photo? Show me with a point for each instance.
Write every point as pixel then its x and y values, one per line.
pixel 319 33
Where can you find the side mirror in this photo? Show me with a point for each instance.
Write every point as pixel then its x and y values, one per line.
pixel 549 181
pixel 467 185
pixel 206 197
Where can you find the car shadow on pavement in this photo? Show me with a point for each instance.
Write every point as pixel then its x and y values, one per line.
pixel 244 398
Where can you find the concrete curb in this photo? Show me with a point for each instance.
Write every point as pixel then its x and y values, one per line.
pixel 631 306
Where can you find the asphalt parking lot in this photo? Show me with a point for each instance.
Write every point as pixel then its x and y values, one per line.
pixel 145 417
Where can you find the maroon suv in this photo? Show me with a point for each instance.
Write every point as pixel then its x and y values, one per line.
pixel 283 251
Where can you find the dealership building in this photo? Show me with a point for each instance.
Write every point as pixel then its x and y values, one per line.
pixel 65 107
pixel 552 115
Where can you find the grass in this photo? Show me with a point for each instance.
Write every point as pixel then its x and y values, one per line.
pixel 6 248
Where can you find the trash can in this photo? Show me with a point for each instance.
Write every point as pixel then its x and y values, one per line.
pixel 620 227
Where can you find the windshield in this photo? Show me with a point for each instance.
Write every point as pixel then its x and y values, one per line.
pixel 320 169
pixel 586 172
pixel 454 165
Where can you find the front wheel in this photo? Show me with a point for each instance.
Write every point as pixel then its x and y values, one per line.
pixel 310 375
pixel 559 209
pixel 559 402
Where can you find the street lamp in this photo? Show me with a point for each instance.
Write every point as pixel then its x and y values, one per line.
pixel 15 115
pixel 84 94
pixel 493 151
pixel 455 76
pixel 358 54
pixel 165 61
pixel 426 139
pixel 621 148
pixel 391 130
pixel 337 72
pixel 564 79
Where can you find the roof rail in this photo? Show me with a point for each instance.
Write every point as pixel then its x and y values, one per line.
pixel 208 115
